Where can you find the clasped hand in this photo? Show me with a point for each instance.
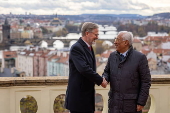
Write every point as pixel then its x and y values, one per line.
pixel 104 83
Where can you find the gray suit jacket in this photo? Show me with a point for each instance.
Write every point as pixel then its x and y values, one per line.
pixel 129 81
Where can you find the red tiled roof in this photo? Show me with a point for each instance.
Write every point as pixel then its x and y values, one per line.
pixel 53 57
pixel 163 51
pixel 135 40
pixel 9 54
pixel 167 53
pixel 63 59
pixel 158 38
pixel 44 54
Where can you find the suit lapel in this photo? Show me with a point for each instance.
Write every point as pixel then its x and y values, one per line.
pixel 94 60
pixel 86 47
pixel 91 53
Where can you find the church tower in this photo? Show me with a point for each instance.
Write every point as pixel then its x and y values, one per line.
pixel 5 42
pixel 5 32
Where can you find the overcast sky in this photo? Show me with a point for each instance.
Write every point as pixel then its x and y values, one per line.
pixel 74 7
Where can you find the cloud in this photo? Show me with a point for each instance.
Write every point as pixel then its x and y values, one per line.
pixel 84 6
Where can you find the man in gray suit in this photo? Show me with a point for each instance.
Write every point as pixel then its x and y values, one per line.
pixel 129 76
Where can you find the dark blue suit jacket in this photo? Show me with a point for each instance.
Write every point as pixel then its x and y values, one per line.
pixel 82 78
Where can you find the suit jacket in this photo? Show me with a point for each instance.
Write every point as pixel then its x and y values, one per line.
pixel 130 81
pixel 82 78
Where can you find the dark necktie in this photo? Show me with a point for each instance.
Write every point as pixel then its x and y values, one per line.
pixel 89 48
pixel 122 57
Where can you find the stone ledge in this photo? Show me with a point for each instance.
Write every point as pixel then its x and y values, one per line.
pixel 32 81
pixel 59 80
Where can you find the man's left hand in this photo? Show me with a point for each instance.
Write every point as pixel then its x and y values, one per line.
pixel 139 107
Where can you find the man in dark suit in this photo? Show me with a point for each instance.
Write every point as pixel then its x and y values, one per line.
pixel 129 76
pixel 80 94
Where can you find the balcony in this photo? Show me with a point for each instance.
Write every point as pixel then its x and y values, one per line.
pixel 46 89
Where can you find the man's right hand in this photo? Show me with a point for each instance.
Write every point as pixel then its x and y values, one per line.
pixel 104 83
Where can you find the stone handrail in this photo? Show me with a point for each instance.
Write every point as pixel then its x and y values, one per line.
pixel 58 80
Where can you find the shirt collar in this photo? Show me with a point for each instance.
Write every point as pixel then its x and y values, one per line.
pixel 124 54
pixel 86 43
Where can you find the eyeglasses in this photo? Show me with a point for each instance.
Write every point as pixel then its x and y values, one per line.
pixel 95 34
pixel 118 40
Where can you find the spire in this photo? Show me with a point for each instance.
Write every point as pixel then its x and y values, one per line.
pixel 56 15
pixel 6 22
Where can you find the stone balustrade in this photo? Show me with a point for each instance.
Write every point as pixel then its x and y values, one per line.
pixel 46 89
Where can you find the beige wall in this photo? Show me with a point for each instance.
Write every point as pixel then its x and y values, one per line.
pixel 5 104
pixel 46 89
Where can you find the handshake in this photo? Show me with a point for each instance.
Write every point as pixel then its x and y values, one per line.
pixel 104 83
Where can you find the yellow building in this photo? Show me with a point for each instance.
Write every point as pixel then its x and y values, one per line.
pixel 27 34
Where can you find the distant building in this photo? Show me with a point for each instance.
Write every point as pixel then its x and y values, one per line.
pixel 137 45
pixel 27 34
pixel 25 63
pixel 58 64
pixel 5 40
pixel 152 64
pixel 166 57
pixel 157 34
pixel 166 45
pixel 52 67
pixel 155 41
pixel 6 31
pixel 56 22
pixel 15 34
pixel 8 63
pixel 38 33
pixel 63 64
pixel 50 28
pixel 161 52
pixel 145 50
pixel 40 63
pixel 152 55
pixel 10 59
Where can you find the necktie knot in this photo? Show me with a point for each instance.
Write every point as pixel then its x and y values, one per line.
pixel 122 57
pixel 89 48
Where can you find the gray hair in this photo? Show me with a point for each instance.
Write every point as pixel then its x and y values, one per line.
pixel 88 27
pixel 127 36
